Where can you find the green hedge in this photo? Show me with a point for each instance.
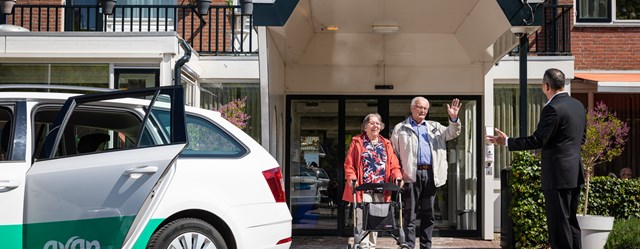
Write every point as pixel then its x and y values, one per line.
pixel 614 197
pixel 609 196
pixel 527 202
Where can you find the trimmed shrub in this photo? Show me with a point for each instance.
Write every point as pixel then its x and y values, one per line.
pixel 527 202
pixel 614 197
pixel 609 197
pixel 625 234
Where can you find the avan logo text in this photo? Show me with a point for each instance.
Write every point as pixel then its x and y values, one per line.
pixel 72 243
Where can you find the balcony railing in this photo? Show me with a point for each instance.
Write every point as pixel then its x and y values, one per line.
pixel 225 31
pixel 554 37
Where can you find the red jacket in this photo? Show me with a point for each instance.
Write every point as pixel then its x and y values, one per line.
pixel 353 166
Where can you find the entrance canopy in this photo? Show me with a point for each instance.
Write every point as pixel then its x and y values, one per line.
pixel 356 44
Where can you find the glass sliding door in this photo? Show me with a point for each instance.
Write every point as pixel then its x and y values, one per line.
pixel 456 204
pixel 319 132
pixel 314 169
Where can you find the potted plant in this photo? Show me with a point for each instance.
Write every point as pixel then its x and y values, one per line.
pixel 107 6
pixel 7 6
pixel 605 139
pixel 203 6
pixel 247 7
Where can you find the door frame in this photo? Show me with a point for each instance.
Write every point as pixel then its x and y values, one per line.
pixel 383 110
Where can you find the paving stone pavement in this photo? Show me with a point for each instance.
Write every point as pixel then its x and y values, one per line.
pixel 328 242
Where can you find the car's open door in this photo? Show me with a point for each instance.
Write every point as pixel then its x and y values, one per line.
pixel 95 171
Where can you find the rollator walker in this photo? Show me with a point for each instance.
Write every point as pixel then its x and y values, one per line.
pixel 378 216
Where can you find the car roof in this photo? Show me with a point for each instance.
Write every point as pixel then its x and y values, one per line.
pixel 61 97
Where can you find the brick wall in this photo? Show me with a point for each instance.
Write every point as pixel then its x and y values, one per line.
pixel 606 48
pixel 203 37
pixel 38 19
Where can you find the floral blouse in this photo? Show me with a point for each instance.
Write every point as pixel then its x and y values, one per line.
pixel 374 159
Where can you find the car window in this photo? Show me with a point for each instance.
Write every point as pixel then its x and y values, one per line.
pixel 304 171
pixel 205 138
pixel 94 129
pixel 322 174
pixel 6 117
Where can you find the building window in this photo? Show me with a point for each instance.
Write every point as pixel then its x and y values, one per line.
pixel 136 78
pixel 190 90
pixel 91 75
pixel 214 95
pixel 602 11
pixel 506 106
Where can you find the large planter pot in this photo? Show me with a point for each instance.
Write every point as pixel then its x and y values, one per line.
pixel 595 230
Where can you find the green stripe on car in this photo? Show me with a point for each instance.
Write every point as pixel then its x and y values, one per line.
pixel 89 234
pixel 11 236
pixel 142 241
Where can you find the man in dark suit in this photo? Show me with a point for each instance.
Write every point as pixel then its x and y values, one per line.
pixel 560 134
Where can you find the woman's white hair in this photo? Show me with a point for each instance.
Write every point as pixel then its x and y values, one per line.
pixel 366 119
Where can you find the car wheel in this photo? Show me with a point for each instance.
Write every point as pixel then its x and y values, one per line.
pixel 187 233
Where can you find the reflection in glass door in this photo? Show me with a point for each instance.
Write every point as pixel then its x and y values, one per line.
pixel 314 169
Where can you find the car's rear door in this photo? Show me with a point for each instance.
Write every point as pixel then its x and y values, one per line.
pixel 13 166
pixel 95 171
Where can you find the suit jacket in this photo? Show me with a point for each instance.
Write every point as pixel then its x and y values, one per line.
pixel 560 133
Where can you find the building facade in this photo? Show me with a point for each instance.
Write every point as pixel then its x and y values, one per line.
pixel 321 66
pixel 605 43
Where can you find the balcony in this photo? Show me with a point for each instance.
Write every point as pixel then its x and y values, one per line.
pixel 554 36
pixel 225 31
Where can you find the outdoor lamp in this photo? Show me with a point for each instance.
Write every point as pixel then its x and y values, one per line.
pixel 7 6
pixel 203 6
pixel 107 6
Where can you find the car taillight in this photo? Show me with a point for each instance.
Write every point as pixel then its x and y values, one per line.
pixel 282 241
pixel 276 183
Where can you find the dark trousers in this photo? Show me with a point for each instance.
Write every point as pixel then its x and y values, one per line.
pixel 561 206
pixel 418 200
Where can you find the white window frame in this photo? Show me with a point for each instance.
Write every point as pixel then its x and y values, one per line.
pixel 612 22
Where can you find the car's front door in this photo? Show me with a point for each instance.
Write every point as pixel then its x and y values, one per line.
pixel 98 166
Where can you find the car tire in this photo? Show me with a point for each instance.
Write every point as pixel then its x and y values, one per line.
pixel 183 233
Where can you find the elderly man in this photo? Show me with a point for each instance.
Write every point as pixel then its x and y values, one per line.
pixel 420 145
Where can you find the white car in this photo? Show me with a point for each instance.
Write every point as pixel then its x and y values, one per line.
pixel 112 170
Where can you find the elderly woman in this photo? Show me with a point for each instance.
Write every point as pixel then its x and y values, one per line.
pixel 370 159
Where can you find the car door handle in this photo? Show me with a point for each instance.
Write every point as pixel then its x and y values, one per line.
pixel 139 171
pixel 9 184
